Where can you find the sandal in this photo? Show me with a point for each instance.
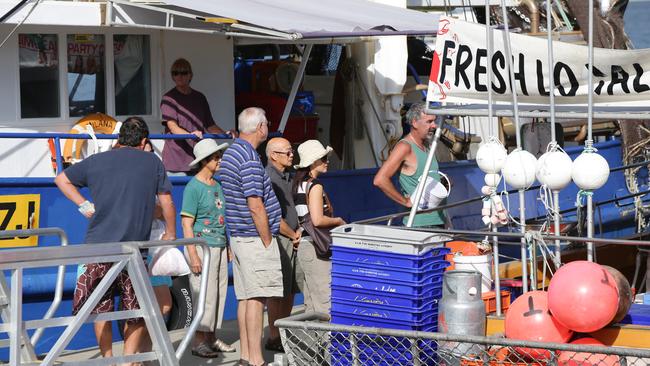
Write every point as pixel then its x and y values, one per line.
pixel 221 346
pixel 204 351
pixel 274 345
pixel 243 362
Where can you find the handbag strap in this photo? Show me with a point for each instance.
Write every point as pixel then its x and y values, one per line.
pixel 326 198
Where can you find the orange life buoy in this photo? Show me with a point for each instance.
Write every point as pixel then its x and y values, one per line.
pixel 94 123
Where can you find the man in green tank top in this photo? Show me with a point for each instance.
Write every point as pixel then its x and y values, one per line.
pixel 409 157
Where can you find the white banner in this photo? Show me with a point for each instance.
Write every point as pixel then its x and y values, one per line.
pixel 460 61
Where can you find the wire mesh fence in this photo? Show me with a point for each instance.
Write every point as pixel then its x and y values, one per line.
pixel 309 339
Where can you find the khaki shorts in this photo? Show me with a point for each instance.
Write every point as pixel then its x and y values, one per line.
pixel 257 270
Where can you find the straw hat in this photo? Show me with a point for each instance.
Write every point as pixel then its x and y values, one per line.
pixel 310 151
pixel 205 148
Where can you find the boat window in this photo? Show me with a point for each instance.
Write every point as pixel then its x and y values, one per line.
pixel 86 70
pixel 39 75
pixel 132 75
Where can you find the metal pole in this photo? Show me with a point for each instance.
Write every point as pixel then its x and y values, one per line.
pixel 494 131
pixel 294 87
pixel 420 187
pixel 16 338
pixel 497 276
pixel 590 228
pixel 556 218
pixel 524 250
pixel 590 121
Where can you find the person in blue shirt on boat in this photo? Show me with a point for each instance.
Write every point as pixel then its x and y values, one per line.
pixel 203 216
pixel 409 157
pixel 253 216
pixel 123 184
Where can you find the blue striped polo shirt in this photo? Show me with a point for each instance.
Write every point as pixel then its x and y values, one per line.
pixel 242 176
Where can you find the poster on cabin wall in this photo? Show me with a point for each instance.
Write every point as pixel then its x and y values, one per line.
pixel 460 61
pixel 38 50
pixel 85 53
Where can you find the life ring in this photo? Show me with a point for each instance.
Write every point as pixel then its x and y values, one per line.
pixel 94 123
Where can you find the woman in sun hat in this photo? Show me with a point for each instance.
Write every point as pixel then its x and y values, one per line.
pixel 203 216
pixel 316 217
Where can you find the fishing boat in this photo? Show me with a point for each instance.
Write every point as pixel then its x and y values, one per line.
pixel 58 70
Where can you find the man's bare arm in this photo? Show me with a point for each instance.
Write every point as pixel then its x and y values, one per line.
pixel 260 218
pixel 169 215
pixel 387 171
pixel 68 189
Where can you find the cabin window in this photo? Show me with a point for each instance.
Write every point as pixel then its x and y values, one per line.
pixel 39 75
pixel 86 74
pixel 132 75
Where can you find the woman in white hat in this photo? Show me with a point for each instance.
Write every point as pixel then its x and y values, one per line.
pixel 203 216
pixel 316 218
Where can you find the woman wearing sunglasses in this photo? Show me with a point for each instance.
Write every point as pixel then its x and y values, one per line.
pixel 316 217
pixel 184 111
pixel 203 216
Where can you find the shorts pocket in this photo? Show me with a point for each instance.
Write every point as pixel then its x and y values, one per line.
pixel 268 266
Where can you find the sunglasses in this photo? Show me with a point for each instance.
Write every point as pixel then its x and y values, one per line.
pixel 183 73
pixel 325 159
pixel 216 156
pixel 287 153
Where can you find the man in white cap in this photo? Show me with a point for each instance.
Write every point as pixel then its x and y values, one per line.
pixel 253 216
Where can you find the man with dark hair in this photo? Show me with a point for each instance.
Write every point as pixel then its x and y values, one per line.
pixel 123 184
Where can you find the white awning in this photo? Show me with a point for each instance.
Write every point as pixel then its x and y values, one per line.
pixel 277 19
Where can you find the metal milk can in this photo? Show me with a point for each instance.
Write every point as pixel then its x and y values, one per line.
pixel 461 312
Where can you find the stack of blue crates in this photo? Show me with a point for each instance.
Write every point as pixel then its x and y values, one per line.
pixel 379 288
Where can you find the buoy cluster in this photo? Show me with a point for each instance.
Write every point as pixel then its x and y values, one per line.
pixel 582 297
pixel 554 169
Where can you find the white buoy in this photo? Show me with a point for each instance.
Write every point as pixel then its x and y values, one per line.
pixel 590 171
pixel 492 180
pixel 519 169
pixel 554 170
pixel 491 157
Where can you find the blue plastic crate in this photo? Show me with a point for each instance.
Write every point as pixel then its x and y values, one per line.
pixel 416 289
pixel 380 351
pixel 385 298
pixel 387 259
pixel 639 314
pixel 386 312
pixel 369 321
pixel 389 273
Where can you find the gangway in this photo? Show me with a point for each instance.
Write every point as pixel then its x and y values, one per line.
pixel 125 256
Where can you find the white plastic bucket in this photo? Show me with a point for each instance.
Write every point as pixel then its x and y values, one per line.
pixel 479 263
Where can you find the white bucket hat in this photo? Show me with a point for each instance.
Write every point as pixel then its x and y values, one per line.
pixel 310 151
pixel 205 148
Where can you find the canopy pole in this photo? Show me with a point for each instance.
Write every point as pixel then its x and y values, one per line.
pixel 294 88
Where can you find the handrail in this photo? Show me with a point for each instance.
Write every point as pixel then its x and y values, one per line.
pixel 122 254
pixel 60 274
pixel 84 136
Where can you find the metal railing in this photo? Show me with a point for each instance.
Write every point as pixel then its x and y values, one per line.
pixel 310 340
pixel 126 257
pixel 58 290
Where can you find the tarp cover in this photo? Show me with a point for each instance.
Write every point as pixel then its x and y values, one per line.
pixel 319 18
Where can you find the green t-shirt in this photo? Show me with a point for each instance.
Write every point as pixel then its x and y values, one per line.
pixel 206 205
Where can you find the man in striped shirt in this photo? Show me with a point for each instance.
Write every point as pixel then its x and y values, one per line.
pixel 253 216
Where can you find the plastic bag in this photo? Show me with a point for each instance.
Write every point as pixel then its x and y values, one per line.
pixel 167 261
